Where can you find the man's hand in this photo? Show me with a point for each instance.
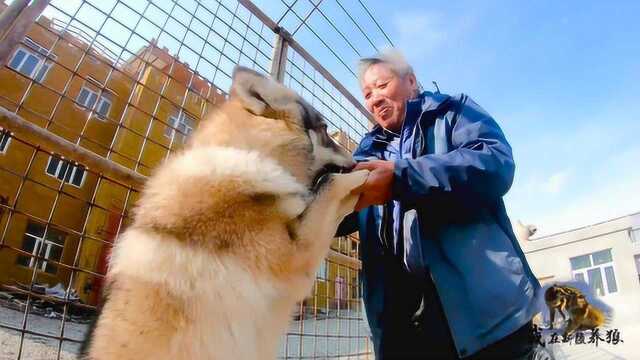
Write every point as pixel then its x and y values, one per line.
pixel 377 189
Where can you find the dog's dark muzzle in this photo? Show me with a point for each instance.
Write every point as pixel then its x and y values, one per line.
pixel 322 176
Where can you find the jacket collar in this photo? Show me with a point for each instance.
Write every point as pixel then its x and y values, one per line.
pixel 432 101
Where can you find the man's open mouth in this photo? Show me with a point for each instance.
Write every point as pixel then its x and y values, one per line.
pixel 321 175
pixel 383 112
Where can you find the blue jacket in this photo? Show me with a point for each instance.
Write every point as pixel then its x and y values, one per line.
pixel 455 167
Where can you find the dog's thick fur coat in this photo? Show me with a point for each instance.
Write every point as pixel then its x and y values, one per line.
pixel 228 234
pixel 582 315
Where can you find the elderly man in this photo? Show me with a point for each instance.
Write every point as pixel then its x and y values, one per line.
pixel 443 274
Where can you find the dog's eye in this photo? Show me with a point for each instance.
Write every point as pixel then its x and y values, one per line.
pixel 321 127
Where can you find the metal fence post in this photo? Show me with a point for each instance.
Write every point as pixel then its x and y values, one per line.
pixel 22 23
pixel 279 58
pixel 10 14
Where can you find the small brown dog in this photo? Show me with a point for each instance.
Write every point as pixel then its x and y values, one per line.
pixel 583 315
pixel 556 297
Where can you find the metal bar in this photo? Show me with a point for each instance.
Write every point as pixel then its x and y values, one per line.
pixel 315 7
pixel 339 32
pixel 249 5
pixel 39 261
pixel 331 109
pixel 206 28
pixel 21 25
pixel 10 14
pixel 23 128
pixel 376 22
pixel 332 80
pixel 15 200
pixel 357 25
pixel 289 7
pixel 326 45
pixel 279 58
pixel 342 258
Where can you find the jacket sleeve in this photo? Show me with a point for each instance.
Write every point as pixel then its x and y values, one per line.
pixel 479 168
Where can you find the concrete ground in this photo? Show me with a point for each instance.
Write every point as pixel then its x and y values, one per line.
pixel 38 347
pixel 344 335
pixel 627 350
pixel 341 336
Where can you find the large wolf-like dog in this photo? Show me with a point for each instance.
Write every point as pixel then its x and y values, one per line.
pixel 228 234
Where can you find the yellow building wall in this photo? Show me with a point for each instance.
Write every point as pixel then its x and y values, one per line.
pixel 143 98
pixel 325 295
pixel 52 105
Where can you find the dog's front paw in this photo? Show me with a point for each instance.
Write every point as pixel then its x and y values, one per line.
pixel 347 189
pixel 344 185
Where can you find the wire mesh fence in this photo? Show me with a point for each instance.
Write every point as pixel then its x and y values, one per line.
pixel 342 116
pixel 119 85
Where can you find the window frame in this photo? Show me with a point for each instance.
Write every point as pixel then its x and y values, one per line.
pixel 39 243
pixel 40 53
pixel 100 100
pixel 5 140
pixel 584 273
pixel 322 274
pixel 175 121
pixel 66 178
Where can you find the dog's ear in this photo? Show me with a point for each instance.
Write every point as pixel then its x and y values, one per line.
pixel 263 96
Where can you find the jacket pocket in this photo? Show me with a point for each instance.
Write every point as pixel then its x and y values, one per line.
pixel 491 273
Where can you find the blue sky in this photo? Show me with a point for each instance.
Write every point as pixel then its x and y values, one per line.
pixel 561 78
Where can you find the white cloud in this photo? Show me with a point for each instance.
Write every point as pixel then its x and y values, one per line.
pixel 609 191
pixel 615 200
pixel 429 39
pixel 419 33
pixel 556 182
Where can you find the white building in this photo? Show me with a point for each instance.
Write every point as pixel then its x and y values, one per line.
pixel 605 259
pixel 606 256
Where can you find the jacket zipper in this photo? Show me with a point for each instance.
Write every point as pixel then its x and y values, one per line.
pixel 383 227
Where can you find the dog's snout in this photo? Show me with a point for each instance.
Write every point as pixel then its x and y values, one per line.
pixel 347 165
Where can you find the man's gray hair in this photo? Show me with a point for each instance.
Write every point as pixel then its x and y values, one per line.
pixel 391 57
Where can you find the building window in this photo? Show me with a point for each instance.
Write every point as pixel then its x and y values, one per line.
pixel 321 274
pixel 30 60
pixel 65 171
pixel 596 269
pixel 354 248
pixel 87 98
pixel 5 139
pixel 635 235
pixel 48 248
pixel 184 124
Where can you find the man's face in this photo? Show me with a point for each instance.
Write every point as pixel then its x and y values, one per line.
pixel 386 93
